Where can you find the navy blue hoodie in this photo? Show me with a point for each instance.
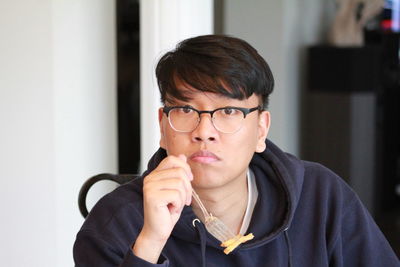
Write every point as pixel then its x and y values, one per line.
pixel 305 215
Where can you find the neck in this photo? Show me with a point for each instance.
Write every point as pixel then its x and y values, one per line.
pixel 228 203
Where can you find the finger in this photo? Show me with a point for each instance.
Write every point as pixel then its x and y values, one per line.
pixel 171 174
pixel 172 199
pixel 175 162
pixel 174 183
pixel 182 157
pixel 188 169
pixel 167 173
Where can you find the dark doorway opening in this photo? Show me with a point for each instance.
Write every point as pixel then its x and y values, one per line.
pixel 128 94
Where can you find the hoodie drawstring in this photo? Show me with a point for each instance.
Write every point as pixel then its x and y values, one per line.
pixel 201 231
pixel 289 247
pixel 202 235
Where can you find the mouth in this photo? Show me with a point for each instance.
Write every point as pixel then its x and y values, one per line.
pixel 204 156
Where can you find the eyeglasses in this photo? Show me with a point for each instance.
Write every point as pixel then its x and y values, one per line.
pixel 226 120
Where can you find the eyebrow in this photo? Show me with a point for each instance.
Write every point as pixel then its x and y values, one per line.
pixel 221 107
pixel 175 102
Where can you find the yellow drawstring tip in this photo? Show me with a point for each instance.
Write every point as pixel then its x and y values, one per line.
pixel 232 243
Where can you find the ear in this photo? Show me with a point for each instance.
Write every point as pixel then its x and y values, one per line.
pixel 160 123
pixel 264 122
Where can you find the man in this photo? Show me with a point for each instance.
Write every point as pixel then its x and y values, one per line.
pixel 214 126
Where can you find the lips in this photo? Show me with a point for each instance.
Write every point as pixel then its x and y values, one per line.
pixel 204 156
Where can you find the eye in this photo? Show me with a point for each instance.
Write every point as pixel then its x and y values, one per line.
pixel 185 109
pixel 229 111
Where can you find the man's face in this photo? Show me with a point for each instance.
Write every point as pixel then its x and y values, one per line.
pixel 216 158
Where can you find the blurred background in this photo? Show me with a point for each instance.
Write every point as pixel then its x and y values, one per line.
pixel 78 97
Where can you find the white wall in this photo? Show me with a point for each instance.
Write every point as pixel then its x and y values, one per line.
pixel 57 117
pixel 27 184
pixel 162 25
pixel 84 106
pixel 280 31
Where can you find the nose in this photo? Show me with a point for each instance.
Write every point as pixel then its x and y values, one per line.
pixel 205 131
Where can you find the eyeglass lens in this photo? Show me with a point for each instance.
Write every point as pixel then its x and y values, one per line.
pixel 227 120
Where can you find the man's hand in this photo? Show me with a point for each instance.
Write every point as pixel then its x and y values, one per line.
pixel 166 190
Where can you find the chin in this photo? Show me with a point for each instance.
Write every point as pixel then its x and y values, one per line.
pixel 205 171
pixel 202 185
pixel 208 181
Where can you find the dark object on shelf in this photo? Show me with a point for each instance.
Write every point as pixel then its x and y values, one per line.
pixel 339 132
pixel 118 178
pixel 389 124
pixel 351 118
pixel 338 69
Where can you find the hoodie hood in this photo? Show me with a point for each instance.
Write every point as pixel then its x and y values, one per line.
pixel 279 178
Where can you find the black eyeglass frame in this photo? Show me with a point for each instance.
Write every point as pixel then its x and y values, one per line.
pixel 245 111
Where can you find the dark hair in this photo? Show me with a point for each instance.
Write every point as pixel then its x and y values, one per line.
pixel 214 63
